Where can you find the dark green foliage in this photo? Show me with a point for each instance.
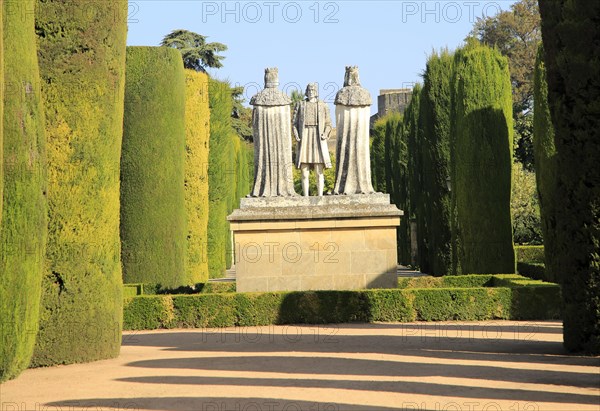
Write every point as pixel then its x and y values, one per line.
pixel 481 162
pixel 82 65
pixel 470 298
pixel 571 36
pixel 389 159
pixel 530 253
pixel 536 271
pixel 197 54
pixel 435 148
pixel 473 304
pixel 417 198
pixel 461 281
pixel 378 154
pixel 153 213
pixel 546 171
pixel 23 221
pixel 525 207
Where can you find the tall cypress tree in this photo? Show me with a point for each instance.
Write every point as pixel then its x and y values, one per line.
pixel 546 172
pixel 435 145
pixel 153 213
pixel 221 176
pixel 571 37
pixel 482 160
pixel 417 198
pixel 23 225
pixel 82 65
pixel 197 126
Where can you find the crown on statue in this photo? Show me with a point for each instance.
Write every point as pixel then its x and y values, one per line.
pixel 271 77
pixel 351 77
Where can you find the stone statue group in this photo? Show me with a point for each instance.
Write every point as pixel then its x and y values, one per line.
pixel 311 126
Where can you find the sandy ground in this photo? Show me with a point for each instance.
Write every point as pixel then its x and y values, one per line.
pixel 496 365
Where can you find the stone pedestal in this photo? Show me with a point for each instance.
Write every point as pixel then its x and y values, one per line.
pixel 315 243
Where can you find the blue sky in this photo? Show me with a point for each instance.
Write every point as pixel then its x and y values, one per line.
pixel 312 41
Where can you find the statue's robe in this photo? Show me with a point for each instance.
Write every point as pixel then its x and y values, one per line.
pixel 271 122
pixel 353 162
pixel 311 149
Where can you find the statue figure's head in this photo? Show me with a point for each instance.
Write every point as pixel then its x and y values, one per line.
pixel 271 77
pixel 312 91
pixel 351 76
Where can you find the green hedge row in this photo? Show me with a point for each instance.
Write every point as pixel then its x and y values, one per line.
pixel 514 298
pixel 530 253
pixel 153 211
pixel 23 220
pixel 536 271
pixel 82 67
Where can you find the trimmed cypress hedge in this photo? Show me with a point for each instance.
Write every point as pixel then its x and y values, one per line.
pixel 514 298
pixel 413 130
pixel 153 209
pixel 482 133
pixel 197 126
pixel 82 61
pixel 221 176
pixel 1 107
pixel 546 171
pixel 23 226
pixel 571 37
pixel 435 146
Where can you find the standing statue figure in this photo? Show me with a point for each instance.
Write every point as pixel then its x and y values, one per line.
pixel 352 112
pixel 311 127
pixel 271 123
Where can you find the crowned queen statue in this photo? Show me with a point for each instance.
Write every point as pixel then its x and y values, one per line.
pixel 271 123
pixel 352 112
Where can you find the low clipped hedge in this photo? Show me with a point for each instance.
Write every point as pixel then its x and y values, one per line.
pixel 469 298
pixel 536 271
pixel 530 253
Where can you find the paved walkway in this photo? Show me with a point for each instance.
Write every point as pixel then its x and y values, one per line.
pixel 499 365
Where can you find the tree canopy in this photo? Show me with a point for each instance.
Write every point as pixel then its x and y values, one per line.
pixel 516 33
pixel 196 52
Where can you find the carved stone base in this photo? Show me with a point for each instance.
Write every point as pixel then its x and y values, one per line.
pixel 331 243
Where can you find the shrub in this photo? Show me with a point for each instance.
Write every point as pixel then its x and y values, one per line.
pixel 525 208
pixel 481 161
pixel 197 132
pixel 435 148
pixel 535 271
pixel 573 75
pixel 153 213
pixel 81 314
pixel 530 253
pixel 546 172
pixel 23 221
